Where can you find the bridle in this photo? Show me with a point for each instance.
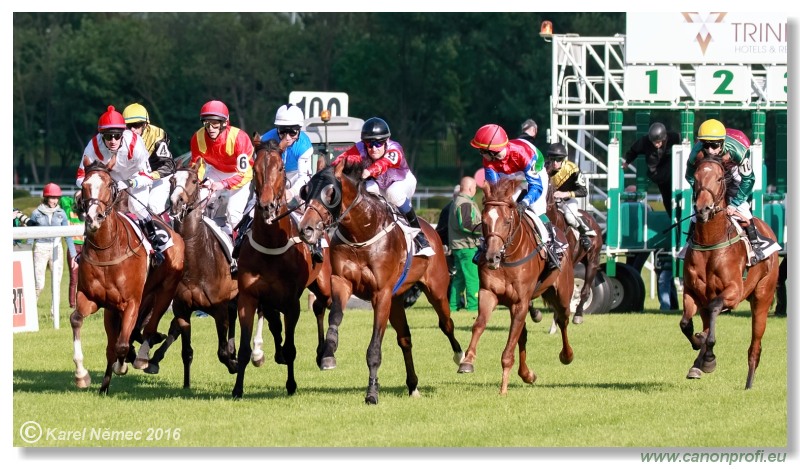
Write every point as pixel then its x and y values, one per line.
pixel 717 199
pixel 278 198
pixel 192 202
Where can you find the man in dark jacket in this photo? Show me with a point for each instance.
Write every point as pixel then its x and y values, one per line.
pixel 656 147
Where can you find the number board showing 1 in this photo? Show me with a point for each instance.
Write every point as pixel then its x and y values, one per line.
pixel 723 83
pixel 313 102
pixel 652 83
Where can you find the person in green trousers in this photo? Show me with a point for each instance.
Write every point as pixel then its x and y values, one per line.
pixel 464 233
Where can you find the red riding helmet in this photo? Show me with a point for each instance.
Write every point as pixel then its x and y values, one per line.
pixel 490 137
pixel 214 110
pixel 111 120
pixel 51 190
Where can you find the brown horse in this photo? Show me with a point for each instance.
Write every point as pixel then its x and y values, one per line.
pixel 512 273
pixel 589 258
pixel 113 274
pixel 370 259
pixel 206 284
pixel 275 267
pixel 716 277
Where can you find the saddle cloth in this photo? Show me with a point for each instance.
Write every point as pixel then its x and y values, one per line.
pixel 768 246
pixel 160 232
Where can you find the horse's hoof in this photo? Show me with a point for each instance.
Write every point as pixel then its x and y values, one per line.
pixel 458 357
pixel 120 370
pixel 694 373
pixel 83 382
pixel 140 363
pixel 291 388
pixel 466 368
pixel 415 393
pixel 233 367
pixel 279 359
pixel 536 315
pixel 152 369
pixel 709 367
pixel 529 378
pixel 257 358
pixel 566 358
pixel 578 319
pixel 237 393
pixel 328 363
pixel 371 399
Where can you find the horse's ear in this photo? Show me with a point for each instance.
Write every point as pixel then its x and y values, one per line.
pixel 86 162
pixel 322 162
pixel 487 190
pixel 339 170
pixel 256 139
pixel 112 162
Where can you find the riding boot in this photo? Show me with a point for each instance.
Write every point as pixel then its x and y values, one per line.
pixel 241 232
pixel 585 232
pixel 755 243
pixel 149 229
pixel 554 256
pixel 420 240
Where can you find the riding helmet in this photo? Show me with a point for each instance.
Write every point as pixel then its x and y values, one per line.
pixel 289 115
pixel 51 190
pixel 711 129
pixel 556 151
pixel 110 120
pixel 135 113
pixel 490 137
pixel 375 128
pixel 214 110
pixel 657 132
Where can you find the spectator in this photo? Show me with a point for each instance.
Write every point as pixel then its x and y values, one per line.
pixel 67 203
pixel 48 251
pixel 464 237
pixel 529 131
pixel 780 304
pixel 656 147
pixel 20 219
pixel 442 228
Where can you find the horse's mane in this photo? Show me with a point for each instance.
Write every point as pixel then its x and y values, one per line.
pixel 501 190
pixel 270 145
pixel 96 165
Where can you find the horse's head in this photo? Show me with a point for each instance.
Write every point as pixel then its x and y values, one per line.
pixel 499 220
pixel 98 193
pixel 709 188
pixel 269 178
pixel 323 198
pixel 184 188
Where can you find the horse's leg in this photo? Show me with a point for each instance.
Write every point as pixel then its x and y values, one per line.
pixel 381 306
pixel 172 335
pixel 230 350
pixel 320 302
pixel 527 375
pixel 220 314
pixel 111 323
pixel 126 324
pixel 577 318
pixel 273 318
pixel 518 313
pixel 292 315
pixel 340 293
pixel 686 323
pixel 83 308
pixel 760 302
pixel 437 297
pixel 709 361
pixel 560 300
pixel 487 301
pixel 399 321
pixel 247 308
pixel 701 339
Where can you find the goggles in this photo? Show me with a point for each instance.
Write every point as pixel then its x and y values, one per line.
pixel 712 145
pixel 112 136
pixel 290 131
pixel 489 153
pixel 375 143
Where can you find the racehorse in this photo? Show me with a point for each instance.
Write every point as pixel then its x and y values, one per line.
pixel 370 259
pixel 512 273
pixel 716 277
pixel 589 258
pixel 275 267
pixel 113 274
pixel 206 284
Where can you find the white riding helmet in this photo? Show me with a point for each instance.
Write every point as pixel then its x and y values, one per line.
pixel 288 115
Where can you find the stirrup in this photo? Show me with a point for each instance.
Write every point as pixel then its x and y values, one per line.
pixel 758 255
pixel 586 243
pixel 156 258
pixel 234 266
pixel 316 255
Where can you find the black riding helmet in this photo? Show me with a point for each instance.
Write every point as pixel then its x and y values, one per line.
pixel 657 132
pixel 556 151
pixel 375 128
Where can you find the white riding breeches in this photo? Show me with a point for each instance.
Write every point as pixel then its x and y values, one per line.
pixel 159 194
pixel 398 192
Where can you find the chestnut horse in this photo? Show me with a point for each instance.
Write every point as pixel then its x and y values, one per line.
pixel 275 267
pixel 370 259
pixel 206 284
pixel 512 273
pixel 716 276
pixel 113 274
pixel 589 258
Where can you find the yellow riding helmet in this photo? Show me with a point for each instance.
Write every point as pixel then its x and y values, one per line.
pixel 135 113
pixel 711 129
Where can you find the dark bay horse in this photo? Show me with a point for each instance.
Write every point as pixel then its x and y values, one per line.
pixel 512 273
pixel 369 259
pixel 589 258
pixel 275 267
pixel 716 277
pixel 206 284
pixel 113 274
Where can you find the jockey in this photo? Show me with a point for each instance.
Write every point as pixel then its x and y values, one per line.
pixel 503 158
pixel 156 140
pixel 569 183
pixel 388 171
pixel 733 148
pixel 132 170
pixel 226 161
pixel 296 151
